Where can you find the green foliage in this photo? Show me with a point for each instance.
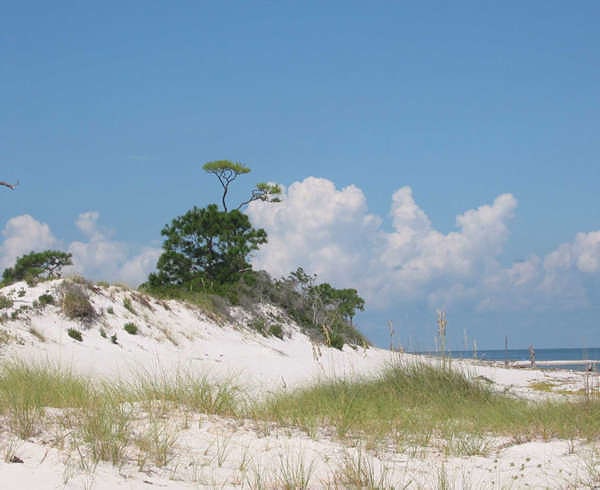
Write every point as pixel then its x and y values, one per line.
pixel 131 328
pixel 276 330
pixel 5 302
pixel 76 303
pixel 205 248
pixel 325 312
pixel 36 266
pixel 128 305
pixel 75 334
pixel 226 172
pixel 46 299
pixel 113 339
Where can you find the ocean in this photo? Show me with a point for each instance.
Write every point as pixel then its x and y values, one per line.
pixel 572 354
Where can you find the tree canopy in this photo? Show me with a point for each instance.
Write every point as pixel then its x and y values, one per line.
pixel 227 171
pixel 206 244
pixel 37 265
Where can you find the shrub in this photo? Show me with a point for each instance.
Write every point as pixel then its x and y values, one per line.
pixel 131 328
pixel 110 310
pixel 113 338
pixel 46 299
pixel 76 303
pixel 75 334
pixel 259 325
pixel 276 331
pixel 128 305
pixel 5 302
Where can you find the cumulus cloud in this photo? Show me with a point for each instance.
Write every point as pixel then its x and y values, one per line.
pixel 330 232
pixel 24 234
pixel 101 257
pixel 96 257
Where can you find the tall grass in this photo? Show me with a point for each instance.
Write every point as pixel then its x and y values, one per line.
pixel 26 389
pixel 415 400
pixel 103 418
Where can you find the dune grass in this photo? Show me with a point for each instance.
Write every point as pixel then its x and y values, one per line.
pixel 411 405
pixel 103 419
pixel 423 402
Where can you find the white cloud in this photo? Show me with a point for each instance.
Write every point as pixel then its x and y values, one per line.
pixel 318 227
pixel 98 257
pixel 582 253
pixel 24 234
pixel 135 269
pixel 330 232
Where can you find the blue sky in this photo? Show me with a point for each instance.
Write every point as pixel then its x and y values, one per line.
pixel 433 155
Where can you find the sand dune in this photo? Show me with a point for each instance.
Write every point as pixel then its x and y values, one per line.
pixel 209 451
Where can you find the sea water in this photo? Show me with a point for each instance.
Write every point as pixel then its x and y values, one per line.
pixel 572 354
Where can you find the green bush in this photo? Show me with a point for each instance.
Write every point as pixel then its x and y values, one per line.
pixel 5 302
pixel 128 305
pixel 113 339
pixel 131 328
pixel 75 334
pixel 46 299
pixel 276 330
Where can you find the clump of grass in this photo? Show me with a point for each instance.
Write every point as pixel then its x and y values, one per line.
pixel 106 426
pixel 45 299
pixel 130 328
pixel 294 473
pixel 276 330
pixel 75 334
pixel 5 302
pixel 76 303
pixel 545 386
pixel 27 389
pixel 361 471
pixel 157 441
pixel 129 305
pixel 37 334
pixel 196 393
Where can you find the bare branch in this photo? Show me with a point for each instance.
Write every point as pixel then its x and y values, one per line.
pixel 10 186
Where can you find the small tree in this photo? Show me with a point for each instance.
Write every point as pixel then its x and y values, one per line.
pixel 206 244
pixel 37 265
pixel 226 172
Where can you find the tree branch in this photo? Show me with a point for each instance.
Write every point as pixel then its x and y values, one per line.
pixel 10 186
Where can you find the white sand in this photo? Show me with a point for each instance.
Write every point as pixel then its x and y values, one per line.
pixel 214 452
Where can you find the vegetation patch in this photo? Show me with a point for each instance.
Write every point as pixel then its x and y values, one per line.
pixel 75 334
pixel 45 299
pixel 545 386
pixel 37 266
pixel 129 305
pixel 5 302
pixel 130 328
pixel 37 334
pixel 76 303
pixel 428 403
